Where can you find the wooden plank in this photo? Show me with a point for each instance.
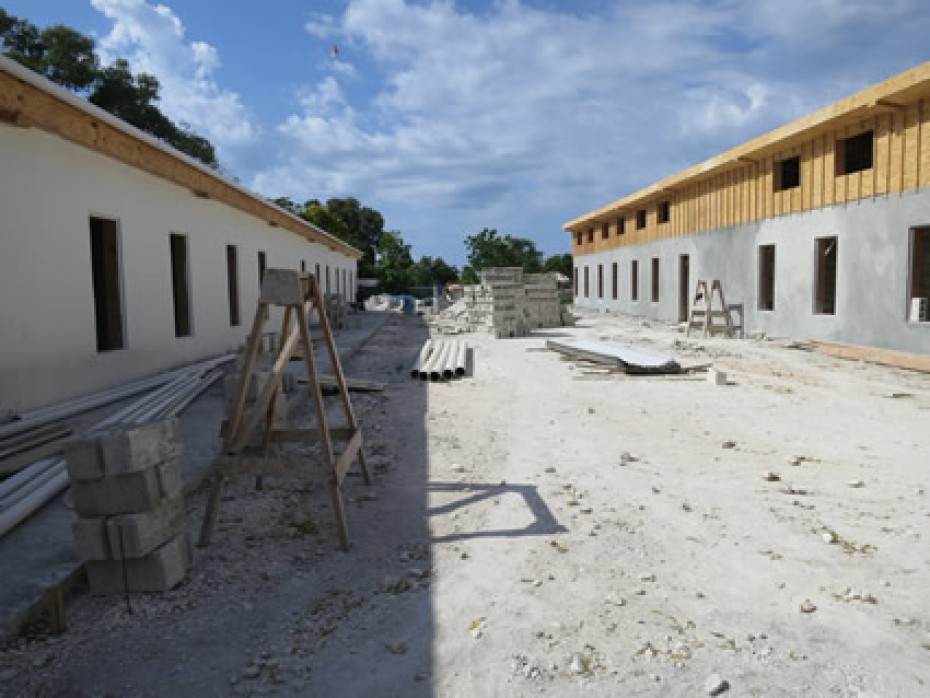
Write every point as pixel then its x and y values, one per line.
pixel 911 147
pixel 885 357
pixel 348 456
pixel 882 139
pixel 328 380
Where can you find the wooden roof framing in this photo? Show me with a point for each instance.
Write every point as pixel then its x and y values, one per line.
pixel 890 96
pixel 27 100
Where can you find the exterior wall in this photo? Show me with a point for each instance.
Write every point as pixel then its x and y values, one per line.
pixel 50 188
pixel 872 273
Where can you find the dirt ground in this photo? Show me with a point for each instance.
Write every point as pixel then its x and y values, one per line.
pixel 539 528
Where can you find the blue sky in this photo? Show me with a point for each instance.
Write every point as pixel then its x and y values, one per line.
pixel 517 115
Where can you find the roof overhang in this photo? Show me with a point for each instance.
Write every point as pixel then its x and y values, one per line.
pixel 28 100
pixel 890 96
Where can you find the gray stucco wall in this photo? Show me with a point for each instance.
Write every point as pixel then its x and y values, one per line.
pixel 873 265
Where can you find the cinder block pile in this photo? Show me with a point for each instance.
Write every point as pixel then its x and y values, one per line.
pixel 131 529
pixel 507 303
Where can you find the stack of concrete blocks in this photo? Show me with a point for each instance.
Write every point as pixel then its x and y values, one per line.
pixel 507 303
pixel 541 303
pixel 506 295
pixel 131 529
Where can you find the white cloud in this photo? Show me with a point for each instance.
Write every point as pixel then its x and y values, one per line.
pixel 520 116
pixel 151 37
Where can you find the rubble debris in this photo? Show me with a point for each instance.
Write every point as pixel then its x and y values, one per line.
pixel 618 356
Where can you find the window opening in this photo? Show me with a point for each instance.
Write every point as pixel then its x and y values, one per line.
pixel 665 211
pixel 614 282
pixel 180 285
pixel 105 272
pixel 766 277
pixel 232 284
pixel 787 174
pixel 854 154
pixel 919 305
pixel 655 279
pixel 634 280
pixel 641 219
pixel 825 276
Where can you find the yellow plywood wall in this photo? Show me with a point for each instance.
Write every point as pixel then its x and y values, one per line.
pixel 745 192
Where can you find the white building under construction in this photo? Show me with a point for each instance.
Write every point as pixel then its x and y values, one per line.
pixel 120 256
pixel 818 229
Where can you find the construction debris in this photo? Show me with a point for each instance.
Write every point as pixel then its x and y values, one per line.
pixel 507 303
pixel 617 356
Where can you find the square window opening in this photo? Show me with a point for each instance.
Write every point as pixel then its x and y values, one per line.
pixel 854 154
pixel 787 174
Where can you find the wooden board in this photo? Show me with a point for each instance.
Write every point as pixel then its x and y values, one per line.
pixel 885 357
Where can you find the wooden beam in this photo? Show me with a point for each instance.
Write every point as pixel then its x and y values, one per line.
pixel 885 357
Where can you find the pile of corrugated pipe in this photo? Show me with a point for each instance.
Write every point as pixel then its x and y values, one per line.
pixel 440 360
pixel 163 396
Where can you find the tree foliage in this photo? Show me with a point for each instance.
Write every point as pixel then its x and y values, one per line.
pixel 68 58
pixel 394 263
pixel 561 263
pixel 487 249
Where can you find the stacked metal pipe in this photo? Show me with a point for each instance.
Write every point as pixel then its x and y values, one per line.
pixel 440 360
pixel 168 394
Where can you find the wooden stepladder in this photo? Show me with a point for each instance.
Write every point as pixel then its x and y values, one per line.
pixel 705 315
pixel 300 297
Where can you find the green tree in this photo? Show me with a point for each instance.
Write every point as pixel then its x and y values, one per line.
pixel 69 58
pixel 394 263
pixel 430 271
pixel 365 227
pixel 323 218
pixel 487 249
pixel 561 263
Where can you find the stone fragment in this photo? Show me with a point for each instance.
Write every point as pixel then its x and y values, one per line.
pixel 715 685
pixel 807 606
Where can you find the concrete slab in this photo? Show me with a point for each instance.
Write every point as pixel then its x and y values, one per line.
pixel 40 552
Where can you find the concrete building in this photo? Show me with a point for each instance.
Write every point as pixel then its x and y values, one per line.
pixel 121 257
pixel 819 229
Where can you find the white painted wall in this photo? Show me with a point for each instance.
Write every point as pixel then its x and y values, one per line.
pixel 872 272
pixel 49 189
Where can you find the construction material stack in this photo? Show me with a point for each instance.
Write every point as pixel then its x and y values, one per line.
pixel 131 529
pixel 507 303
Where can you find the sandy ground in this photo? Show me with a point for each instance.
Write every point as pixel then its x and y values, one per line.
pixel 535 528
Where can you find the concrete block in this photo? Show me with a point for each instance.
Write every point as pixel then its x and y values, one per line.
pixel 129 535
pixel 160 570
pixel 121 451
pixel 132 493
